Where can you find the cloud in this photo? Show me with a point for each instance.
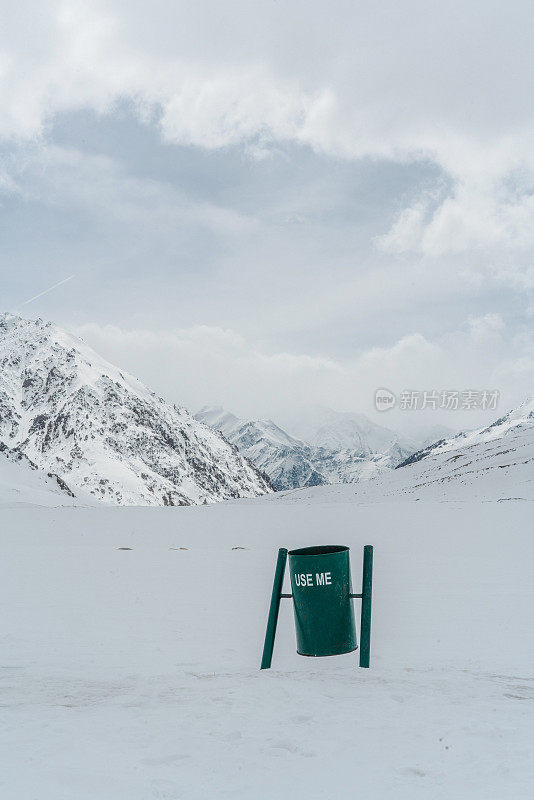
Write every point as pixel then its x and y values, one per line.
pixel 203 364
pixel 481 213
pixel 67 177
pixel 405 83
pixel 233 107
pixel 280 142
pixel 483 328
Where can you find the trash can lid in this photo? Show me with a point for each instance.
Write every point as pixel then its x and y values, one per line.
pixel 319 550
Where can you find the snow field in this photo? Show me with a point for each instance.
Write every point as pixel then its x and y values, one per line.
pixel 134 673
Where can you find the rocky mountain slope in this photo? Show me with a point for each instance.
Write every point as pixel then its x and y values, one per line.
pixel 22 483
pixel 498 459
pixel 287 461
pixel 345 449
pixel 101 431
pixel 511 426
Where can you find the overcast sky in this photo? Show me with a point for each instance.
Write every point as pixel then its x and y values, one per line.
pixel 270 203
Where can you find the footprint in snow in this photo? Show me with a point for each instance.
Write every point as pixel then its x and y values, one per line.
pixel 292 748
pixel 300 718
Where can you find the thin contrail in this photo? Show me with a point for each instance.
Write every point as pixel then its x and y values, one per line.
pixel 59 283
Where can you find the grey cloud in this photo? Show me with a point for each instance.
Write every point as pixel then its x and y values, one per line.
pixel 320 179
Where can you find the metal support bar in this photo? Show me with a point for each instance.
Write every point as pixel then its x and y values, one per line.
pixel 286 595
pixel 367 591
pixel 355 595
pixel 274 609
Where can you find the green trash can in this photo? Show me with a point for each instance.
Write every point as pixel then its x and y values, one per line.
pixel 322 588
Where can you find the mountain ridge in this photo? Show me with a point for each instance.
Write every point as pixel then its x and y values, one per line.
pixel 523 415
pixel 493 464
pixel 72 413
pixel 294 463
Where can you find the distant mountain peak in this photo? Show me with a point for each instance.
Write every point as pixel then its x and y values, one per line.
pixel 342 448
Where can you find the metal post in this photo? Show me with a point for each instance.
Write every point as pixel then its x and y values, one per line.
pixel 274 609
pixel 367 590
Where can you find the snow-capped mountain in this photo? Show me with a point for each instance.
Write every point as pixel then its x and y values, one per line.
pixel 102 431
pixel 345 451
pixel 287 461
pixel 499 458
pixel 336 430
pixel 493 464
pixel 348 430
pixel 511 427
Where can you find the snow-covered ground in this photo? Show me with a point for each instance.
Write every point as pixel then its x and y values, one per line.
pixel 133 673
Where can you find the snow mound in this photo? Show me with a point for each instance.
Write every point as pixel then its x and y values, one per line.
pixel 21 483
